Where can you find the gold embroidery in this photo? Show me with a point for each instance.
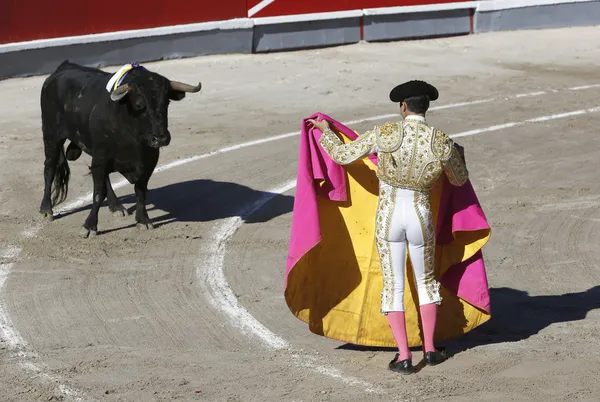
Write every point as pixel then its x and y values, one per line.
pixel 456 170
pixel 389 137
pixel 421 156
pixel 441 145
pixel 385 209
pixel 344 154
pixel 411 165
pixel 423 209
pixel 418 154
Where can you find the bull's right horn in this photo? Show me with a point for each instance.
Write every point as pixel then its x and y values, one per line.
pixel 120 92
pixel 180 86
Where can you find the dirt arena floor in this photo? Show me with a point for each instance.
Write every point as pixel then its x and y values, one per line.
pixel 194 310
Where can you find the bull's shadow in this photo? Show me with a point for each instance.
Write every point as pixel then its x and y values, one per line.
pixel 206 200
pixel 517 316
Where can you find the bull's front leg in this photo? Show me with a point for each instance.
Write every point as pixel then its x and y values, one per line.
pixel 141 214
pixel 99 175
pixel 114 205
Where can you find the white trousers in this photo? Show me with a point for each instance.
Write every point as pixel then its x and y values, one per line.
pixel 405 223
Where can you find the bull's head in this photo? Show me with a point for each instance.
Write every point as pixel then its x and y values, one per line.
pixel 147 96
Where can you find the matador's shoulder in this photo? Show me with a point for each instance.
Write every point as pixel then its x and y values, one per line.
pixel 389 136
pixel 388 128
pixel 441 144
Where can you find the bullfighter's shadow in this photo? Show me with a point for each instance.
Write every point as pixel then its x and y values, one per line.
pixel 204 201
pixel 517 316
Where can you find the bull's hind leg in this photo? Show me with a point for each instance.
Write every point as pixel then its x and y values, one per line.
pixel 54 163
pixel 114 205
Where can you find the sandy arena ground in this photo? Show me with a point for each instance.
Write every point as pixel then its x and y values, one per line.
pixel 158 315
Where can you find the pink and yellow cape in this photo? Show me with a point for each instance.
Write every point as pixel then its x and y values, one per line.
pixel 333 278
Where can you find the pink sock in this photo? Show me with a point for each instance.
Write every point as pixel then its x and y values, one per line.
pixel 428 318
pixel 398 326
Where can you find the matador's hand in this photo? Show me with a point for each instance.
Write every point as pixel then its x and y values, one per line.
pixel 321 125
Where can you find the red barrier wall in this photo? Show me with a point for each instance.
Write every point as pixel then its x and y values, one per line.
pixel 22 20
pixel 290 7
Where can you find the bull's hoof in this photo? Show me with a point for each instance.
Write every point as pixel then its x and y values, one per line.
pixel 49 215
pixel 85 233
pixel 119 213
pixel 145 226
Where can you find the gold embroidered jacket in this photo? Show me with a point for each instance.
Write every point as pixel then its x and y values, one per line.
pixel 410 154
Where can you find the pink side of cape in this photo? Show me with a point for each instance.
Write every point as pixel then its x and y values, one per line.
pixel 459 211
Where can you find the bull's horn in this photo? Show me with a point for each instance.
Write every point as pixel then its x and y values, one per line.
pixel 120 92
pixel 180 86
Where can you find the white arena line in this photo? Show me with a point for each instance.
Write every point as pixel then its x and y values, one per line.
pixel 121 183
pixel 534 120
pixel 28 360
pixel 14 339
pixel 211 275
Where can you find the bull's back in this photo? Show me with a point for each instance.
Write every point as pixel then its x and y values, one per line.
pixel 70 79
pixel 68 96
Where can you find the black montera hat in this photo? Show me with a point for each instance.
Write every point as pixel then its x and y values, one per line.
pixel 413 88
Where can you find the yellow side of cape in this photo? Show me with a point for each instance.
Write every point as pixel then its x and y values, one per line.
pixel 336 287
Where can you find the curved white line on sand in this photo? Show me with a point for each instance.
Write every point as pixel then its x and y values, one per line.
pixel 18 345
pixel 28 360
pixel 215 284
pixel 211 276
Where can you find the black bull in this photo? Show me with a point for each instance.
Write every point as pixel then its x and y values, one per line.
pixel 122 131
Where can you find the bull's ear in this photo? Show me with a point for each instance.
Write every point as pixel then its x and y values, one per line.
pixel 176 95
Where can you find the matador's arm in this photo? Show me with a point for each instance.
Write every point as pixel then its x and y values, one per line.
pixel 344 154
pixel 456 169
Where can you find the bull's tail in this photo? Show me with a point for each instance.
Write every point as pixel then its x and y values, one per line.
pixel 60 189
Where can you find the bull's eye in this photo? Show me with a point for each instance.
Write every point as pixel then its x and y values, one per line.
pixel 139 105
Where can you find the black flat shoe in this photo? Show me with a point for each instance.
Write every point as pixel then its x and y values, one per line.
pixel 402 367
pixel 435 358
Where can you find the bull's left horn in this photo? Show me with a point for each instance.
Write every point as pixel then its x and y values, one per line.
pixel 180 86
pixel 120 92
